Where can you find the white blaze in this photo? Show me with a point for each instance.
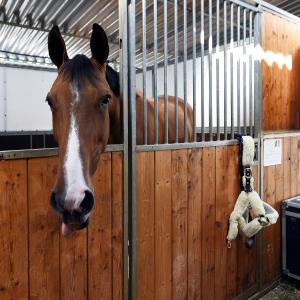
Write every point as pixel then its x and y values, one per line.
pixel 74 179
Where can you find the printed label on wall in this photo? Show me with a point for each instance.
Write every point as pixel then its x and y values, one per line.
pixel 272 152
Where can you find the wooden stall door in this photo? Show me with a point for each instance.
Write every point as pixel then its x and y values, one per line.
pixel 184 199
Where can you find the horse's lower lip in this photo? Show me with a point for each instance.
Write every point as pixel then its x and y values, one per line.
pixel 68 229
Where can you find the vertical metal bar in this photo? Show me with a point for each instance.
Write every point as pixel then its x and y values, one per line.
pixel 202 71
pixel 231 69
pixel 124 96
pixel 155 71
pixel 218 68
pixel 257 79
pixel 166 70
pixel 210 69
pixel 244 72
pixel 131 150
pixel 225 70
pixel 175 68
pixel 194 73
pixel 238 71
pixel 250 76
pixel 144 68
pixel 184 70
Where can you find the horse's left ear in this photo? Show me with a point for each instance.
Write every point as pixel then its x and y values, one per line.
pixel 99 44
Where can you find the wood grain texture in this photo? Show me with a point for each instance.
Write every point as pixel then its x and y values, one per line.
pixel 208 222
pixel 194 223
pixel 44 227
pixel 163 225
pixel 100 233
pixel 280 73
pixel 13 230
pixel 179 224
pixel 117 224
pixel 145 225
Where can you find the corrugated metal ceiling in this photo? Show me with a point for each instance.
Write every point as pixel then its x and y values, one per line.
pixel 24 25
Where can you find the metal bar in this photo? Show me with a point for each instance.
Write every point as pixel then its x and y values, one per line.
pixel 141 148
pixel 166 118
pixel 210 69
pixel 238 71
pixel 250 76
pixel 244 74
pixel 244 5
pixel 225 70
pixel 123 31
pixel 202 71
pixel 144 68
pixel 155 71
pixel 218 68
pixel 175 68
pixel 194 73
pixel 131 150
pixel 231 69
pixel 184 70
pixel 257 79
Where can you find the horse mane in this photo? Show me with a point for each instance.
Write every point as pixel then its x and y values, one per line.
pixel 80 67
pixel 113 80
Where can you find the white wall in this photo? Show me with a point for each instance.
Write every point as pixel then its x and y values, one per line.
pixel 237 53
pixel 22 99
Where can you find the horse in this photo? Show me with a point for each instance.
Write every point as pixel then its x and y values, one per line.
pixel 87 115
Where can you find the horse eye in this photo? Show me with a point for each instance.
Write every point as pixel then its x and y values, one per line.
pixel 105 101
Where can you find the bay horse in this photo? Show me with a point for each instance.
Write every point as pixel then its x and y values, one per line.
pixel 86 115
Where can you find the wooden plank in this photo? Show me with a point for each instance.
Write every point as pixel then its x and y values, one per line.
pixel 268 233
pixel 13 230
pixel 287 167
pixel 233 192
pixel 194 222
pixel 117 224
pixel 279 196
pixel 100 234
pixel 44 229
pixel 145 225
pixel 73 266
pixel 294 165
pixel 179 223
pixel 221 229
pixel 208 223
pixel 163 225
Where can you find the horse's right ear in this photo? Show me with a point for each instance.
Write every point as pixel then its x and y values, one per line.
pixel 56 47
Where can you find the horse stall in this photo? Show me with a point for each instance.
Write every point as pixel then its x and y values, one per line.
pixel 160 221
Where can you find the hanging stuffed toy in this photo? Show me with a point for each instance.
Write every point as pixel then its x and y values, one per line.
pixel 249 202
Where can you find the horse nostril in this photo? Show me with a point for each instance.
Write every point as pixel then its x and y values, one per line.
pixel 55 203
pixel 88 202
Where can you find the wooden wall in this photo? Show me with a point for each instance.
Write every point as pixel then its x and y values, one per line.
pixel 280 182
pixel 184 199
pixel 280 85
pixel 36 262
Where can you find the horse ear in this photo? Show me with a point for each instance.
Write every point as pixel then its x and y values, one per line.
pixel 56 47
pixel 99 44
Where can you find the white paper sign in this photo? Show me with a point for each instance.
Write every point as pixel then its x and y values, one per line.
pixel 272 152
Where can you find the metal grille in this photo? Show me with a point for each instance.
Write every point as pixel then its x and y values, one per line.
pixel 201 51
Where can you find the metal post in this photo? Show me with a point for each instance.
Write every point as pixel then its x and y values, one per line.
pixel 194 74
pixel 225 70
pixel 231 69
pixel 218 68
pixel 244 72
pixel 166 71
pixel 238 71
pixel 144 69
pixel 184 70
pixel 124 96
pixel 202 71
pixel 210 69
pixel 155 71
pixel 175 68
pixel 250 75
